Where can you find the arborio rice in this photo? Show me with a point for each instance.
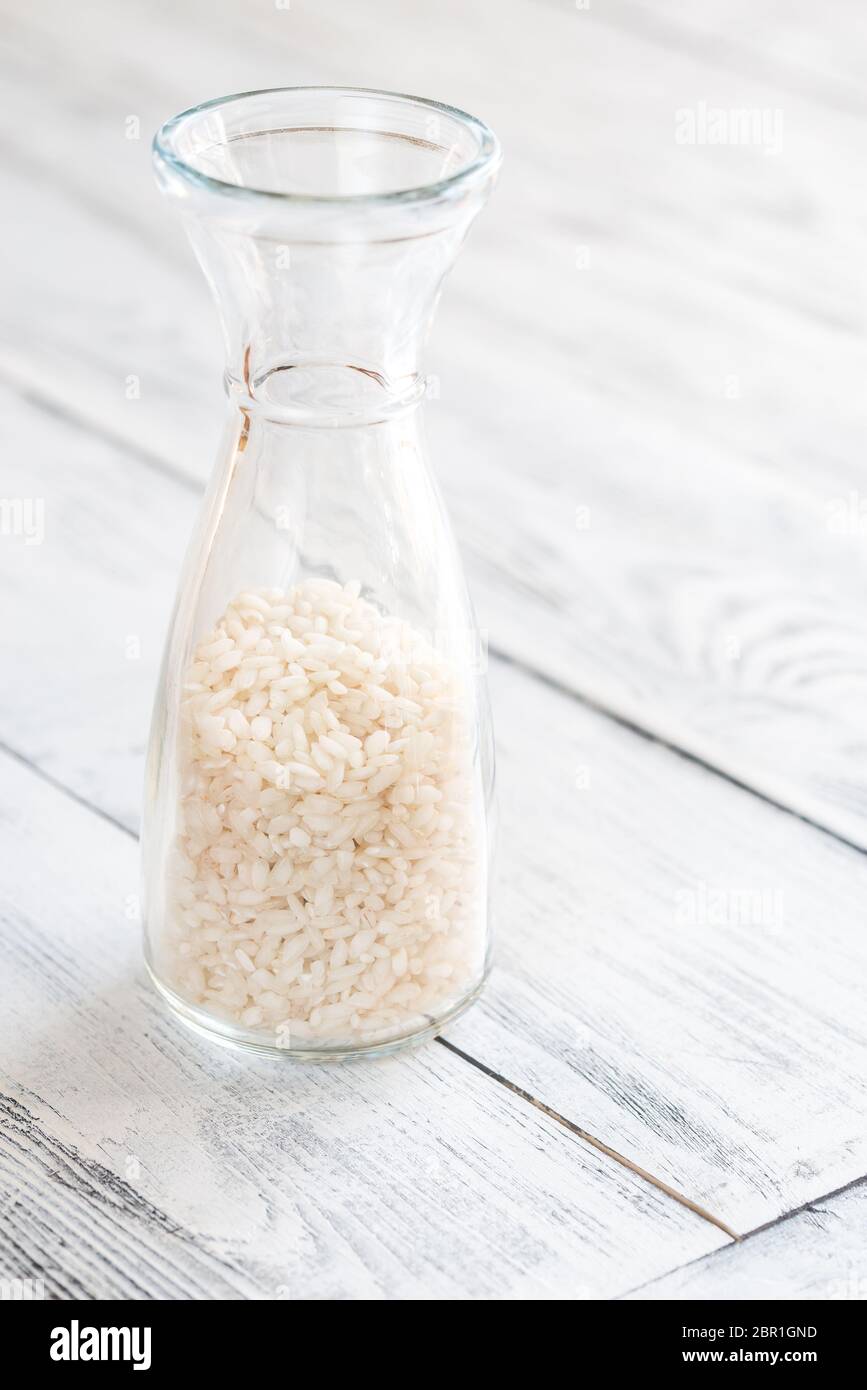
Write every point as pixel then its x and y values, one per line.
pixel 326 877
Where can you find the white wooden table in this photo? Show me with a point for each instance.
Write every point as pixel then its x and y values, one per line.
pixel 651 431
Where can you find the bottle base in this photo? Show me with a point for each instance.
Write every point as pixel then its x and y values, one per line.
pixel 226 1035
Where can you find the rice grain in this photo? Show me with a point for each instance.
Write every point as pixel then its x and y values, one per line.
pixel 327 879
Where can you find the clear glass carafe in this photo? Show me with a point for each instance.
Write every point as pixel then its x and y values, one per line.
pixel 317 819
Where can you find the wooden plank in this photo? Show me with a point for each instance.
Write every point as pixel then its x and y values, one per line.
pixel 139 1161
pixel 818 1254
pixel 787 708
pixel 72 1226
pixel 783 41
pixel 679 965
pixel 688 391
pixel 86 589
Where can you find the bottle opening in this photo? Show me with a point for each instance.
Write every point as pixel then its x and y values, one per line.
pixel 327 144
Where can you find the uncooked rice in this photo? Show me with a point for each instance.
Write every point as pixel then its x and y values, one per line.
pixel 326 875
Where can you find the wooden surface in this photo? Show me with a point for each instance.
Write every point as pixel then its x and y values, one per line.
pixel 649 431
pixel 816 1254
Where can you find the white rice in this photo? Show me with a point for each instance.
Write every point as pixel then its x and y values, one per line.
pixel 327 881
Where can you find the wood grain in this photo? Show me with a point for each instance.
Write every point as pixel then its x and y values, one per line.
pixel 663 509
pixel 138 1161
pixel 818 1254
pixel 79 1229
pixel 680 967
pixel 651 357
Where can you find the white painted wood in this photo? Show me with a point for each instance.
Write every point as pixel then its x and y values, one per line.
pixel 819 1254
pixel 73 1226
pixel 784 40
pixel 85 610
pixel 695 386
pixel 138 1161
pixel 680 967
pixel 585 352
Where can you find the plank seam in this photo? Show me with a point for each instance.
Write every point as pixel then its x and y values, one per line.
pixel 780 1220
pixel 64 789
pixel 591 1139
pixel 643 731
pixel 472 1061
pixel 512 1086
pixel 59 410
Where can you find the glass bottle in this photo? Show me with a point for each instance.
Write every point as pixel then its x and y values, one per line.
pixel 320 771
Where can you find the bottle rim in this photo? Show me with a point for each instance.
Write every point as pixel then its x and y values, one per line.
pixel 480 167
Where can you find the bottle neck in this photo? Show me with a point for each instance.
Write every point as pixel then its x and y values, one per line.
pixel 324 332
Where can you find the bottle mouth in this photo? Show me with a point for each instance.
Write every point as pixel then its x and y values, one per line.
pixel 328 146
